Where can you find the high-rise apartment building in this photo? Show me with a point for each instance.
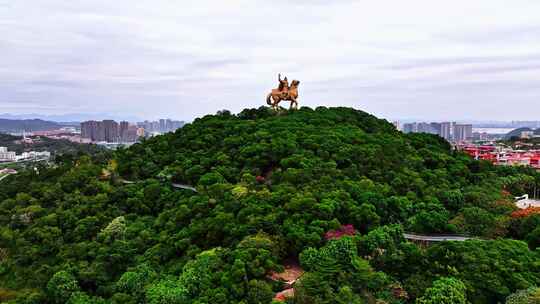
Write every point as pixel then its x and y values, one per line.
pixel 130 134
pixel 100 132
pixel 424 127
pixel 107 131
pixel 446 130
pixel 111 130
pixel 160 126
pixel 123 132
pixel 462 132
pixel 436 127
pixel 89 129
pixel 410 127
pixel 451 131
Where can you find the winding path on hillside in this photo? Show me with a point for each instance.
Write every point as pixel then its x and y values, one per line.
pixel 183 186
pixel 33 160
pixel 436 238
pixel 174 185
pixel 1 178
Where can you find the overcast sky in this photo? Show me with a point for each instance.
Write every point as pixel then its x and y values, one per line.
pixel 432 60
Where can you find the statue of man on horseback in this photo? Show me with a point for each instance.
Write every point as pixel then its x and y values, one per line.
pixel 284 92
pixel 283 86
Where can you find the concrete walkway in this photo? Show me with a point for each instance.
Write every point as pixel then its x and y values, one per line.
pixel 182 186
pixel 524 202
pixel 436 238
pixel 25 161
pixel 174 185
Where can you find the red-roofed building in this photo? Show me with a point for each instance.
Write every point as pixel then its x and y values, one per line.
pixel 503 157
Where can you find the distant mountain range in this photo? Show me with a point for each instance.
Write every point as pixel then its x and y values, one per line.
pixel 27 125
pixel 69 118
pixel 517 132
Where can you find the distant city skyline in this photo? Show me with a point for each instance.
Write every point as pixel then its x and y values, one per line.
pixel 80 117
pixel 111 131
pixel 73 117
pixel 456 60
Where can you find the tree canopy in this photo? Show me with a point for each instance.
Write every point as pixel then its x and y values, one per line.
pixel 331 189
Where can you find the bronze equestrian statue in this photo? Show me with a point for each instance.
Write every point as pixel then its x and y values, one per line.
pixel 283 86
pixel 284 92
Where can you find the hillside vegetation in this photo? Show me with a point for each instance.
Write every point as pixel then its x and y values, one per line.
pixel 271 189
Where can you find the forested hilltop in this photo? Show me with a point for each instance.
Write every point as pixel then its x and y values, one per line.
pixel 328 192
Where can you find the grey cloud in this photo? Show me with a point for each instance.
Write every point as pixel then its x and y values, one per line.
pixel 496 36
pixel 501 69
pixel 433 62
pixel 210 64
pixel 168 57
pixel 55 83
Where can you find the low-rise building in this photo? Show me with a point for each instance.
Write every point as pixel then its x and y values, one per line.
pixel 503 156
pixel 526 134
pixel 6 156
pixel 11 156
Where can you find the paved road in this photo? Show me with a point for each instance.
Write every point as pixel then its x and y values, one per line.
pixel 24 161
pixel 174 185
pixel 182 186
pixel 435 238
pixel 3 177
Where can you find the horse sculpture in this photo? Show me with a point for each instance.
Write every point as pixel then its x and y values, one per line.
pixel 290 94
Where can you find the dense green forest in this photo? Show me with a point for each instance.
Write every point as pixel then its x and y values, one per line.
pixel 272 189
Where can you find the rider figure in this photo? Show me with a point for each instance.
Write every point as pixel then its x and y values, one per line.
pixel 283 86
